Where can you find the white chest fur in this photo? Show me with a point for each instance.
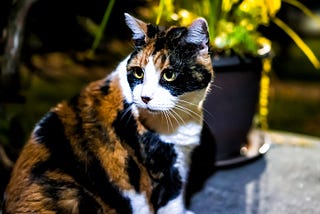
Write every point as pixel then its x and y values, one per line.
pixel 185 139
pixel 186 135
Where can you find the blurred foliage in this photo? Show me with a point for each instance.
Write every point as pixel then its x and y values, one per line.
pixel 234 24
pixel 293 108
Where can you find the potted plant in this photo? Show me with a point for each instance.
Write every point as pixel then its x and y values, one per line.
pixel 241 60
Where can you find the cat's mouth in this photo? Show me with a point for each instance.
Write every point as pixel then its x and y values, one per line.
pixel 154 111
pixel 154 107
pixel 150 110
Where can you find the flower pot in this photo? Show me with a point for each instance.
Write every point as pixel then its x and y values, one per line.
pixel 231 105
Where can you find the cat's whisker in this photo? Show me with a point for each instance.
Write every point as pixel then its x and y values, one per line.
pixel 188 111
pixel 215 86
pixel 124 115
pixel 192 114
pixel 188 102
pixel 126 111
pixel 131 45
pixel 172 115
pixel 178 117
pixel 208 113
pixel 168 121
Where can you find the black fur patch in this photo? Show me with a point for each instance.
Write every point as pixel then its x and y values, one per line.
pixel 105 87
pixel 126 128
pixel 89 174
pixel 159 160
pixel 134 174
pixel 152 31
pixel 174 37
pixel 170 40
pixel 189 78
pixel 139 43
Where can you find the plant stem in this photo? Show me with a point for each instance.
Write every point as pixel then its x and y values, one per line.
pixel 304 9
pixel 299 42
pixel 161 6
pixel 102 26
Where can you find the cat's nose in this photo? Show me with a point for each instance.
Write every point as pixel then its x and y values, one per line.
pixel 145 99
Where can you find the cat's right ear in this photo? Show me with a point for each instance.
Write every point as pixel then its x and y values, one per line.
pixel 138 28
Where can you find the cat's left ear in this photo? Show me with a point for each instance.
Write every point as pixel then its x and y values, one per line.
pixel 198 34
pixel 138 27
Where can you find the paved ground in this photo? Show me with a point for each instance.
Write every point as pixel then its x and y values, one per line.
pixel 285 180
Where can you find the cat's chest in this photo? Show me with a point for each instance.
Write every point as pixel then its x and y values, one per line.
pixel 185 139
pixel 186 135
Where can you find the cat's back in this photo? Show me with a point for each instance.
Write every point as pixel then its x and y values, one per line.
pixel 67 156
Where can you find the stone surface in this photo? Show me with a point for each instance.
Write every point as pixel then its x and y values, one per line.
pixel 285 180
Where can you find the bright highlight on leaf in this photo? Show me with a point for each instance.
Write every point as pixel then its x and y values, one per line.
pixel 273 6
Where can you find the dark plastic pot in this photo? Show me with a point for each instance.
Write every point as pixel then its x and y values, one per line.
pixel 231 104
pixel 229 110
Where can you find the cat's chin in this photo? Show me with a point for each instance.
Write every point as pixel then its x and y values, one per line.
pixel 150 110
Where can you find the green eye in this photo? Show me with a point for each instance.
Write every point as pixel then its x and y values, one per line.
pixel 169 75
pixel 138 73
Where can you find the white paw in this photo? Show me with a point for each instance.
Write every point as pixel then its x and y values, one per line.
pixel 189 212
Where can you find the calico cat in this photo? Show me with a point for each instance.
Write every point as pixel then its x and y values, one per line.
pixel 122 145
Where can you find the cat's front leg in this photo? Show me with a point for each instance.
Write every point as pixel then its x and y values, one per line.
pixel 175 206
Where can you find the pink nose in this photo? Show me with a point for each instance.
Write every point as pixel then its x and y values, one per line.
pixel 145 99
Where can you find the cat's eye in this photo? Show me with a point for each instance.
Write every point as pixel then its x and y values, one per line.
pixel 169 75
pixel 137 72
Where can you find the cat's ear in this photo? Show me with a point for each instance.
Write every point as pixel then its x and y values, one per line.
pixel 138 27
pixel 198 34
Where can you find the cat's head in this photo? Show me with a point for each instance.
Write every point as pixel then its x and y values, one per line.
pixel 170 68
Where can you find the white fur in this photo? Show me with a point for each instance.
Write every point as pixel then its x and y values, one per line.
pixel 138 202
pixel 161 99
pixel 121 71
pixel 185 139
pixel 175 206
pixel 186 135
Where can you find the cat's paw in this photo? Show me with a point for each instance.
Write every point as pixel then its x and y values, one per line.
pixel 189 212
